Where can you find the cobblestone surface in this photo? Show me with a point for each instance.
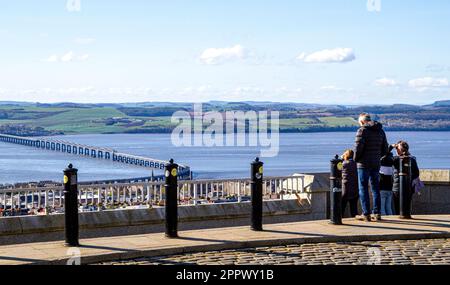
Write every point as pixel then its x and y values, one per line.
pixel 408 252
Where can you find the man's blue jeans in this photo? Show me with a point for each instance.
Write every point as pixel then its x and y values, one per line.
pixel 364 176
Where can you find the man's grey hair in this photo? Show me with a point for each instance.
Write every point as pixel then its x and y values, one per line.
pixel 365 117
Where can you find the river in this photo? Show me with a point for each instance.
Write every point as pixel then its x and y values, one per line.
pixel 309 152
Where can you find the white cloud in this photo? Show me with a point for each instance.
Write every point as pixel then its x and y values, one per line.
pixel 67 57
pixel 83 57
pixel 247 90
pixel 73 90
pixel 84 41
pixel 329 88
pixel 301 56
pixel 425 83
pixel 285 90
pixel 52 58
pixel 212 56
pixel 385 82
pixel 333 88
pixel 203 88
pixel 337 55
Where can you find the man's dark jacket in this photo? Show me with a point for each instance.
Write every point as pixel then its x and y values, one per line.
pixel 370 145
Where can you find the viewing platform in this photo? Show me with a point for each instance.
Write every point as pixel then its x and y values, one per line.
pixel 105 249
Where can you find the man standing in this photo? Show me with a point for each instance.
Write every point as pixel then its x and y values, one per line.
pixel 370 145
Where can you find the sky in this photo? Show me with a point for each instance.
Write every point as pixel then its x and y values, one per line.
pixel 323 51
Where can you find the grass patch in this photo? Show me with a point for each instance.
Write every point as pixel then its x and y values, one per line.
pixel 338 121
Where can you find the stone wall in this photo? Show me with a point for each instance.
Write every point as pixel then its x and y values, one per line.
pixel 312 205
pixel 435 199
pixel 125 222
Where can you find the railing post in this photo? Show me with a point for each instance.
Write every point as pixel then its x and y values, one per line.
pixel 195 194
pixel 171 204
pixel 71 206
pixel 239 191
pixel 336 191
pixel 256 192
pixel 405 187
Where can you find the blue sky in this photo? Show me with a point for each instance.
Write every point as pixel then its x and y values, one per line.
pixel 321 51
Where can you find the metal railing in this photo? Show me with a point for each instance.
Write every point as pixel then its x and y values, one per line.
pixel 98 197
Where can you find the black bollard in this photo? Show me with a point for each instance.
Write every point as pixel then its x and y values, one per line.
pixel 71 206
pixel 171 204
pixel 336 191
pixel 257 195
pixel 405 187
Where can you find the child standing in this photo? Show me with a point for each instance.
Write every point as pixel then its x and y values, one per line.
pixel 386 182
pixel 350 193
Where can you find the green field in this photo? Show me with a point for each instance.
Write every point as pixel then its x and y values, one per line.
pixel 71 120
pixel 338 121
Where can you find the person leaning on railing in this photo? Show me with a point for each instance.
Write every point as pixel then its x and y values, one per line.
pixel 402 148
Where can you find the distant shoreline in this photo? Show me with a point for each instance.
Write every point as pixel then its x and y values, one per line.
pixel 281 132
pixel 153 118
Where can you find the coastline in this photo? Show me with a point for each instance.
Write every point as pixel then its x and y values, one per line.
pixel 315 131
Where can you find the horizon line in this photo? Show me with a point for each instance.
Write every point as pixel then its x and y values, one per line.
pixel 6 102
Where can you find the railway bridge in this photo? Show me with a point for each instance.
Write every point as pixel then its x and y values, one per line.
pixel 93 152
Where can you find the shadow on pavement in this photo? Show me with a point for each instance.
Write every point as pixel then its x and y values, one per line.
pixel 20 259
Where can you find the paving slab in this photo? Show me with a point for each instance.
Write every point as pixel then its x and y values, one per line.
pixel 105 249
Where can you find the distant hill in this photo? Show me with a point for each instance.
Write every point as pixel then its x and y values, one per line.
pixel 445 103
pixel 155 117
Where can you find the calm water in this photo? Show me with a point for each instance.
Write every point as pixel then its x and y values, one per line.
pixel 298 153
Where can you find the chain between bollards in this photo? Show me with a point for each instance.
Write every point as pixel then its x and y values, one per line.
pixel 171 204
pixel 71 206
pixel 336 191
pixel 257 195
pixel 405 187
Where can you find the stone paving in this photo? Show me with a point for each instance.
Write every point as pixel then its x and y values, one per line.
pixel 407 252
pixel 315 238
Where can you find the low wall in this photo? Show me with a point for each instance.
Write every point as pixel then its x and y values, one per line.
pixel 312 205
pixel 25 229
pixel 435 198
